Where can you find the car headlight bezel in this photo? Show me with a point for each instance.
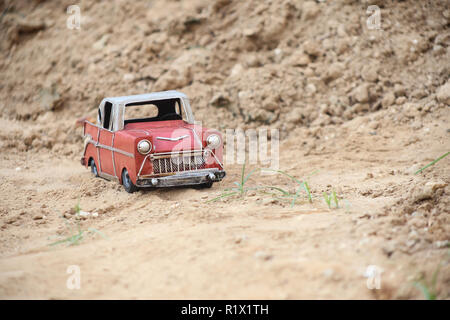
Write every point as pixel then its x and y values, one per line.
pixel 142 148
pixel 213 141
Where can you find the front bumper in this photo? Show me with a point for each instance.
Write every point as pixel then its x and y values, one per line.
pixel 182 178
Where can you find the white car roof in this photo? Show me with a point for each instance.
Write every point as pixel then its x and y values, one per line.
pixel 119 104
pixel 171 94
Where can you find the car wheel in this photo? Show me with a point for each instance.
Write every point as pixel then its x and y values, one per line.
pixel 93 168
pixel 206 185
pixel 127 183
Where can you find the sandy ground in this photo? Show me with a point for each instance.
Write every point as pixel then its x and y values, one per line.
pixel 171 243
pixel 359 112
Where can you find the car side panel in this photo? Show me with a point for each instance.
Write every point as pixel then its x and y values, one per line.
pixel 91 152
pixel 126 158
pixel 91 130
pixel 106 163
pixel 90 136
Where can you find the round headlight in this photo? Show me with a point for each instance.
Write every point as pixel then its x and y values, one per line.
pixel 213 141
pixel 144 146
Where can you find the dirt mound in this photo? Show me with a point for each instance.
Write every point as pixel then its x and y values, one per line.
pixel 423 214
pixel 282 63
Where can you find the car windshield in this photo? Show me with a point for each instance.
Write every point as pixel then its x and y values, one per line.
pixel 159 110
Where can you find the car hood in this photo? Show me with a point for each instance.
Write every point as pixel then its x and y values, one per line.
pixel 167 136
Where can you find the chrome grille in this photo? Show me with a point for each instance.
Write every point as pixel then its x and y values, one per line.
pixel 178 163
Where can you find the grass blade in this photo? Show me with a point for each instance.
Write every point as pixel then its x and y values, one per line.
pixel 284 192
pixel 248 176
pixel 427 294
pixel 222 196
pixel 308 191
pixel 98 232
pixel 432 162
pixel 242 174
pixel 286 174
pixel 335 199
pixel 327 199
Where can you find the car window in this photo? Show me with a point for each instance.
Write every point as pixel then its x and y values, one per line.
pixel 107 120
pixel 141 112
pixel 160 110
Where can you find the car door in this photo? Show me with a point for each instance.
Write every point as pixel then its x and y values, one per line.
pixel 105 140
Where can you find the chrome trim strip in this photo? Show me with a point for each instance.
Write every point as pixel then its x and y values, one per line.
pixel 100 127
pixel 99 145
pixel 116 150
pixel 180 173
pixel 98 151
pixel 218 162
pixel 176 153
pixel 173 139
pixel 142 165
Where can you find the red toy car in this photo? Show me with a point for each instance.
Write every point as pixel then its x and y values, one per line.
pixel 151 140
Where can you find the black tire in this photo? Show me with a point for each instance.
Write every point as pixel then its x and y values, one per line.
pixel 206 185
pixel 127 183
pixel 93 168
